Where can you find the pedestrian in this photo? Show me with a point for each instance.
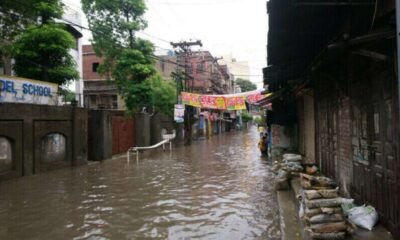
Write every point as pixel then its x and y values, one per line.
pixel 261 130
pixel 262 146
pixel 266 143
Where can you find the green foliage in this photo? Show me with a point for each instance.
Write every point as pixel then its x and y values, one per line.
pixel 113 23
pixel 67 94
pixel 163 95
pixel 42 52
pixel 16 16
pixel 245 85
pixel 246 116
pixel 129 60
pixel 136 95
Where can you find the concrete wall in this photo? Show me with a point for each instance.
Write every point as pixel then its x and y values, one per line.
pixel 100 135
pixel 345 150
pixel 306 121
pixel 309 129
pixel 157 123
pixel 43 137
pixel 143 137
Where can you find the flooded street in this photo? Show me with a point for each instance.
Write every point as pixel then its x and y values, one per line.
pixel 215 189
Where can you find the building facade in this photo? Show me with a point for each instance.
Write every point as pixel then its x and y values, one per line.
pixel 332 68
pixel 99 91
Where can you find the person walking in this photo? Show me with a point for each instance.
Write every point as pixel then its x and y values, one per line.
pixel 262 145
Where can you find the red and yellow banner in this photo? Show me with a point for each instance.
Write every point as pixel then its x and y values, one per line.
pixel 222 102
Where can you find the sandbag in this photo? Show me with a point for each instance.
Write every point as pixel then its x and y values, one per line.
pixel 312 182
pixel 328 236
pixel 294 167
pixel 364 216
pixel 319 203
pixel 315 211
pixel 323 193
pixel 347 204
pixel 326 218
pixel 290 157
pixel 283 174
pixel 328 227
pixel 275 168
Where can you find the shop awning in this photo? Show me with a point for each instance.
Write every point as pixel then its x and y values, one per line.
pixel 271 96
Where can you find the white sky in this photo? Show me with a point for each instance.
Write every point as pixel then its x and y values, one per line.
pixel 237 27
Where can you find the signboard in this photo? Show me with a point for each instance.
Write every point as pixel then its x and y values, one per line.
pixel 179 113
pixel 222 102
pixel 20 90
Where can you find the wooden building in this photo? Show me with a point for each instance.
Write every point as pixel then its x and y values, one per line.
pixel 335 63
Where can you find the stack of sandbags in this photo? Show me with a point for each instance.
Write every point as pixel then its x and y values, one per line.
pixel 321 208
pixel 292 157
pixel 284 168
pixel 276 166
pixel 316 182
pixel 292 163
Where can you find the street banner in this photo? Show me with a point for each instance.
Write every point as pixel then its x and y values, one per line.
pixel 236 103
pixel 222 102
pixel 191 99
pixel 179 113
pixel 212 102
pixel 21 90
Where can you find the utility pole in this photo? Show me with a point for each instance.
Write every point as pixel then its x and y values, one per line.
pixel 184 53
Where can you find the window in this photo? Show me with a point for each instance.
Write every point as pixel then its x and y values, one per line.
pixel 53 148
pixel 5 155
pixel 92 101
pixel 95 66
pixel 114 102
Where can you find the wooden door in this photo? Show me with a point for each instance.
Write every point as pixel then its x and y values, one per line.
pixel 123 134
pixel 327 123
pixel 375 165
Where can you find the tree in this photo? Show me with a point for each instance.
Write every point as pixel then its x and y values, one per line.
pixel 15 16
pixel 127 59
pixel 42 50
pixel 163 95
pixel 245 85
pixel 113 24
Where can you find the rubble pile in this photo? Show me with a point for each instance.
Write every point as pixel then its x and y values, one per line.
pixel 320 206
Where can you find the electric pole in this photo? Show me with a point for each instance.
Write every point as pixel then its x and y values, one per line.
pixel 183 55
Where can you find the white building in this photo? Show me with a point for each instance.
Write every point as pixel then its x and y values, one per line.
pixel 73 18
pixel 238 69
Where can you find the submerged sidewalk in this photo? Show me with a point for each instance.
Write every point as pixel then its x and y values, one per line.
pixel 292 228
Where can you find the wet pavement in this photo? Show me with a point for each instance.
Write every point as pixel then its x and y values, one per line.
pixel 220 188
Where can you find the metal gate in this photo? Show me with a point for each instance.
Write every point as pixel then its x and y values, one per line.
pixel 123 134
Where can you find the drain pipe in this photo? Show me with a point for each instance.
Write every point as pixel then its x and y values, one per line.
pixel 398 51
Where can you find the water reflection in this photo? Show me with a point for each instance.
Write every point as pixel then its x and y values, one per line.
pixel 216 189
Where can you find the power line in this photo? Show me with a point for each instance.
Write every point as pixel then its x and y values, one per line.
pixel 153 56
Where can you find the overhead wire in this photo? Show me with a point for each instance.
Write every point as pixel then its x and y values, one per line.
pixel 153 56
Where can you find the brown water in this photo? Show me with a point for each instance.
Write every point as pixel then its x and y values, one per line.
pixel 214 189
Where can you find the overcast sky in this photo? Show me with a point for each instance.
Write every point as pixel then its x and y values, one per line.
pixel 237 27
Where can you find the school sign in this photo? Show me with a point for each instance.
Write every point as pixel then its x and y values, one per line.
pixel 21 90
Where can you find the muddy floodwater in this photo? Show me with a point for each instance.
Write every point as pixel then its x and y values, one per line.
pixel 220 188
